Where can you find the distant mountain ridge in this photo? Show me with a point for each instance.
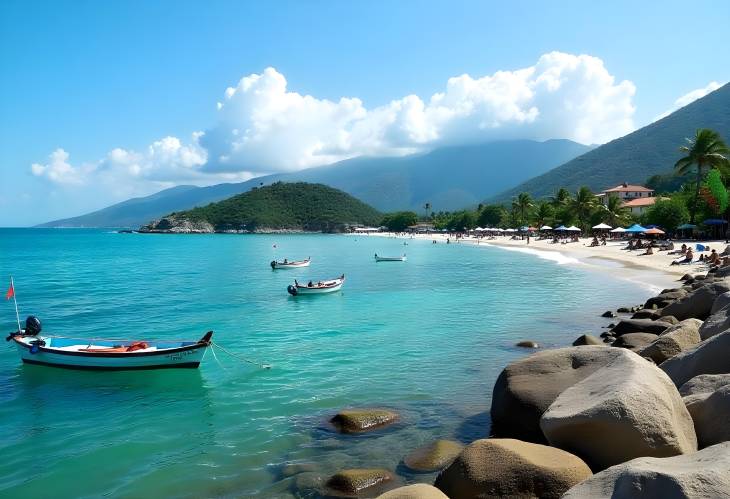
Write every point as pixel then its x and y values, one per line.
pixel 651 150
pixel 448 178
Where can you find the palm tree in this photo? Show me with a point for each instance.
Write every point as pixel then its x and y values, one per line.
pixel 561 198
pixel 706 150
pixel 522 204
pixel 616 213
pixel 543 213
pixel 583 204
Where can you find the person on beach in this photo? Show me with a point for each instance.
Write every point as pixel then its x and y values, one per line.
pixel 713 259
pixel 686 259
pixel 649 251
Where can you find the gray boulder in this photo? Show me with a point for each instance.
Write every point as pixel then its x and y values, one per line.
pixel 704 384
pixel 634 341
pixel 720 302
pixel 674 340
pixel 665 298
pixel 711 416
pixel 627 326
pixel 587 339
pixel 711 356
pixel 527 387
pixel 498 467
pixel 697 304
pixel 646 313
pixel 718 322
pixel 704 474
pixel 628 409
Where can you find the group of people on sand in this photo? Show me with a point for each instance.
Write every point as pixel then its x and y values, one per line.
pixel 713 258
pixel 597 242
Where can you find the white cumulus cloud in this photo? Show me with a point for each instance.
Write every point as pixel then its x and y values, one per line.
pixel 262 126
pixel 689 98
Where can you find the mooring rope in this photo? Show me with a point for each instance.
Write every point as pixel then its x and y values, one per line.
pixel 243 359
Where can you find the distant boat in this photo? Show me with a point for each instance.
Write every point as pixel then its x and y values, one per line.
pixel 286 264
pixel 390 258
pixel 112 355
pixel 316 288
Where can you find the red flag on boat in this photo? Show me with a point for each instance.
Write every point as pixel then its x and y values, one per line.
pixel 11 291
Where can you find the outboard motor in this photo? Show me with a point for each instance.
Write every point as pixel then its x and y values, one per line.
pixel 32 326
pixel 273 264
pixel 292 290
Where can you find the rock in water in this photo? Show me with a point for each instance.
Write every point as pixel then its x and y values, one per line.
pixel 527 387
pixel 354 482
pixel 704 474
pixel 608 313
pixel 417 491
pixel 360 420
pixel 711 416
pixel 434 456
pixel 498 467
pixel 674 340
pixel 587 339
pixel 625 410
pixel 712 356
pixel 528 344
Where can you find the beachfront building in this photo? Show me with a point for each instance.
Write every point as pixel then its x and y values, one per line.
pixel 636 198
pixel 421 227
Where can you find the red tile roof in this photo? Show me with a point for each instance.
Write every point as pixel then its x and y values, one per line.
pixel 629 188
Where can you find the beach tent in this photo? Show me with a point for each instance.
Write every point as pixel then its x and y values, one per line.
pixel 618 230
pixel 714 221
pixel 654 231
pixel 573 228
pixel 546 227
pixel 636 228
pixel 602 227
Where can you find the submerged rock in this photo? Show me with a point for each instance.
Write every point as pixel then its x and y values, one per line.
pixel 608 313
pixel 353 482
pixel 416 491
pixel 628 409
pixel 527 387
pixel 712 356
pixel 434 456
pixel 511 468
pixel 704 474
pixel 361 420
pixel 528 344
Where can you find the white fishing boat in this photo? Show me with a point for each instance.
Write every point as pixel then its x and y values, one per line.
pixel 105 354
pixel 390 258
pixel 286 264
pixel 316 288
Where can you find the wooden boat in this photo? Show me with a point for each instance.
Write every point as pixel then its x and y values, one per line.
pixel 286 264
pixel 316 288
pixel 113 355
pixel 390 258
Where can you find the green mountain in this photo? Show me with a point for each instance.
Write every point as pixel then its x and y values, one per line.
pixel 290 206
pixel 449 178
pixel 649 151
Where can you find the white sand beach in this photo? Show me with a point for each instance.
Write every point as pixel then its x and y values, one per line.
pixel 652 271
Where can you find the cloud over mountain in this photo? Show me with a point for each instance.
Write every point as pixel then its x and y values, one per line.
pixel 262 126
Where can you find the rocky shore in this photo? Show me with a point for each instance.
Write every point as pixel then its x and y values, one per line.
pixel 640 410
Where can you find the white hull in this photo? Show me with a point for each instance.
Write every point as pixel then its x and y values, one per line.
pixel 290 265
pixel 390 258
pixel 326 288
pixel 72 357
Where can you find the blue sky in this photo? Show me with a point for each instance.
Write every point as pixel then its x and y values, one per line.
pixel 121 87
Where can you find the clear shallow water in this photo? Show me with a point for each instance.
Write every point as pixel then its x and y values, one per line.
pixel 427 337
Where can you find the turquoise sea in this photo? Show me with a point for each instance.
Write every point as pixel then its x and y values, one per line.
pixel 427 337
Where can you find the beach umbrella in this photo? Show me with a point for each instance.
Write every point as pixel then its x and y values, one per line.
pixel 478 229
pixel 602 227
pixel 546 227
pixel 510 230
pixel 573 228
pixel 636 228
pixel 618 230
pixel 715 221
pixel 686 226
pixel 561 228
pixel 654 230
